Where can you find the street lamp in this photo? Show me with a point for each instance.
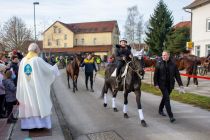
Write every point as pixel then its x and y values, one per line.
pixel 35 3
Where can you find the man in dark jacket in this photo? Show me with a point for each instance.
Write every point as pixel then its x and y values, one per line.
pixel 165 74
pixel 122 53
pixel 90 66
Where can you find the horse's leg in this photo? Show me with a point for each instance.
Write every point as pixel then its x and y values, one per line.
pixel 188 81
pixel 125 104
pixel 104 94
pixel 114 94
pixel 73 83
pixel 195 80
pixel 68 80
pixel 138 101
pixel 76 85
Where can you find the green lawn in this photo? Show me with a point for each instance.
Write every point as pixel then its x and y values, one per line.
pixel 189 98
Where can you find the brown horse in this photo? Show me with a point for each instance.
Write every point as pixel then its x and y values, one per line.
pixel 72 70
pixel 190 64
pixel 149 62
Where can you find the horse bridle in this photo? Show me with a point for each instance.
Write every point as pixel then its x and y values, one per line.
pixel 135 70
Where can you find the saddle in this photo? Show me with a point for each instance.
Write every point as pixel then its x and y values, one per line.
pixel 123 72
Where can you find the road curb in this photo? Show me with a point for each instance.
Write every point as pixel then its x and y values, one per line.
pixel 62 121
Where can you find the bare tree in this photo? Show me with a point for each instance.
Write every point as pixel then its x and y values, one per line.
pixel 139 30
pixel 14 33
pixel 134 25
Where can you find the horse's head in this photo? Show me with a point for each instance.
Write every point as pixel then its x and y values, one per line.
pixel 77 58
pixel 136 65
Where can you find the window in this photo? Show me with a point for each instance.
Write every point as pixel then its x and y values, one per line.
pixel 57 42
pixel 55 29
pixel 65 45
pixel 65 37
pixel 83 41
pixel 94 41
pixel 197 50
pixel 208 25
pixel 207 49
pixel 59 30
pixel 49 42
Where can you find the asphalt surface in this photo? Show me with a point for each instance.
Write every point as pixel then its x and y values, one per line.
pixel 89 120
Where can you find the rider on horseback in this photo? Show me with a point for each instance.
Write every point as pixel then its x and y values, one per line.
pixel 122 53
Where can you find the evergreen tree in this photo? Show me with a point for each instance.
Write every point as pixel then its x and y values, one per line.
pixel 177 40
pixel 160 26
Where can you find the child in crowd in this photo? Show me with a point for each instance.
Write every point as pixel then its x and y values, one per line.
pixel 111 59
pixel 2 91
pixel 10 91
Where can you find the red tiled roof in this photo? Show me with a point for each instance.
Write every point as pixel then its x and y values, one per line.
pixel 91 27
pixel 98 48
pixel 197 3
pixel 183 24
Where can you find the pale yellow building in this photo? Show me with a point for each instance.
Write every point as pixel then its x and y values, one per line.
pixel 96 37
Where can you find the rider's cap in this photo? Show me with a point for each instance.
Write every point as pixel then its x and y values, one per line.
pixel 123 39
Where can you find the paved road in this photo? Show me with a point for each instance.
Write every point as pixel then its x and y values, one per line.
pixel 88 119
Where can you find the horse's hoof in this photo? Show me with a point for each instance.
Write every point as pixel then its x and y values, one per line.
pixel 105 105
pixel 143 123
pixel 126 115
pixel 115 109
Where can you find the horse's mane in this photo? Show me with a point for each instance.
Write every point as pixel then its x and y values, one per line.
pixel 74 61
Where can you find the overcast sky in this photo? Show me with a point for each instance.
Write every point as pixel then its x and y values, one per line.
pixel 74 11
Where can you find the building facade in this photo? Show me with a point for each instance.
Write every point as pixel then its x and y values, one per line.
pixel 200 13
pixel 96 37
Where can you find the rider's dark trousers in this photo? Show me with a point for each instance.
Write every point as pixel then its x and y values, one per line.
pixel 87 75
pixel 119 66
pixel 142 63
pixel 166 101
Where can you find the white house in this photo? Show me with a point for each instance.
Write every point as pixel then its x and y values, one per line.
pixel 200 17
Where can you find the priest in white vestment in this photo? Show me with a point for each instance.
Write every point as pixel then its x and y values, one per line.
pixel 33 90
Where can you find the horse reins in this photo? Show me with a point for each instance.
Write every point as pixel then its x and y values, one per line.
pixel 136 71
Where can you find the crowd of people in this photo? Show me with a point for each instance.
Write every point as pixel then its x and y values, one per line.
pixel 9 66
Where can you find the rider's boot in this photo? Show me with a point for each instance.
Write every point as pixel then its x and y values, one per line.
pixel 118 81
